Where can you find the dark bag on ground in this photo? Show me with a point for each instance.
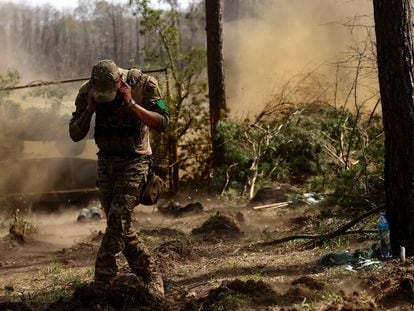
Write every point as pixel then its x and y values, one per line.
pixel 151 190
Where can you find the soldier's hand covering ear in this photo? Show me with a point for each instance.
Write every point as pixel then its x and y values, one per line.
pixel 91 102
pixel 125 91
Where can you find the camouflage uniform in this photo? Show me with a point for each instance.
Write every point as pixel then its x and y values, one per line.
pixel 123 164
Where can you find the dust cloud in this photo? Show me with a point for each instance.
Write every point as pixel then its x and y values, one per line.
pixel 283 39
pixel 63 230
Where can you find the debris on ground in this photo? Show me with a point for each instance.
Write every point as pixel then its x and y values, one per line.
pixel 176 210
pixel 176 248
pixel 83 215
pixel 310 198
pixel 20 306
pixel 126 291
pixel 86 214
pixel 355 301
pixel 395 286
pixel 18 230
pixel 162 232
pixel 272 206
pixel 231 295
pixel 359 260
pixel 218 224
pixel 309 282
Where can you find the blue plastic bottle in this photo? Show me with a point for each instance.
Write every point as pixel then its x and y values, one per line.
pixel 384 233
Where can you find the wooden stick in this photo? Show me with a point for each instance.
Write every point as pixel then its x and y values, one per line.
pixel 274 205
pixel 283 204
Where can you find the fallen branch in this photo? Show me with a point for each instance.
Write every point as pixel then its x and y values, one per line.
pixel 342 229
pixel 309 237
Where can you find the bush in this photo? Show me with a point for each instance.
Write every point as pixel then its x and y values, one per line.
pixel 319 147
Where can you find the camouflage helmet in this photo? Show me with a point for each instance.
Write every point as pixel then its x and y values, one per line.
pixel 104 78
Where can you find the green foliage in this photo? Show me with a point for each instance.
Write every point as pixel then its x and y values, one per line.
pixel 321 148
pixel 287 149
pixel 189 117
pixel 362 179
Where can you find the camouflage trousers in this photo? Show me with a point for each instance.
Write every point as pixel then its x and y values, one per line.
pixel 120 182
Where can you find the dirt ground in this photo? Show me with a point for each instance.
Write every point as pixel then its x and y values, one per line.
pixel 221 269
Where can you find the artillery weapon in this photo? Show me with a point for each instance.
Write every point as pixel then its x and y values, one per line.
pixel 50 182
pixel 44 83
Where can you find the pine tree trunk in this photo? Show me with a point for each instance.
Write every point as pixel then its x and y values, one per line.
pixel 216 87
pixel 395 72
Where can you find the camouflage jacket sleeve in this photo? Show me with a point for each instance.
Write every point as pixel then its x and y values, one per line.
pixel 152 99
pixel 81 119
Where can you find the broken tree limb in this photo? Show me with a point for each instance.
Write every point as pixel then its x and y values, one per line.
pixel 308 237
pixel 341 229
pixel 318 239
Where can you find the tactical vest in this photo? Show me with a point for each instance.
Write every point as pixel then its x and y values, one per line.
pixel 115 130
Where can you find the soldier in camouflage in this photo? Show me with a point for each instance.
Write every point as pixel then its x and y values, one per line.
pixel 127 104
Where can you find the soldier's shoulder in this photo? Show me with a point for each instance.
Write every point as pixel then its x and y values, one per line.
pixel 134 77
pixel 123 72
pixel 150 81
pixel 135 72
pixel 84 89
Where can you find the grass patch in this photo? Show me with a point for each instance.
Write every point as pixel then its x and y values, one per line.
pixel 50 284
pixel 332 297
pixel 230 263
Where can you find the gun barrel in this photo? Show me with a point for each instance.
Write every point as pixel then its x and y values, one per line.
pixel 43 83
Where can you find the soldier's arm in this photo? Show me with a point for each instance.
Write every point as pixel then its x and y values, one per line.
pixel 149 107
pixel 81 119
pixel 152 119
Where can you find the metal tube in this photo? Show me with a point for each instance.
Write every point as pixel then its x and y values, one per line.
pixel 43 83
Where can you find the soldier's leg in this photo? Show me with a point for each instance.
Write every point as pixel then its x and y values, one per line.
pixel 137 255
pixel 142 264
pixel 112 242
pixel 139 260
pixel 112 245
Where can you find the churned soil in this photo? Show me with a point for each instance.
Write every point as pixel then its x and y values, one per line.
pixel 210 260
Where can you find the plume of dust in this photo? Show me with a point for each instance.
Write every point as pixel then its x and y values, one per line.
pixel 63 230
pixel 285 38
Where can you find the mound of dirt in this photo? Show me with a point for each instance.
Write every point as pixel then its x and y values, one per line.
pixel 175 248
pixel 125 292
pixel 396 287
pixel 230 295
pixel 171 252
pixel 176 210
pixel 353 302
pixel 221 225
pixel 9 242
pixel 268 195
pixel 20 306
pixel 309 282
